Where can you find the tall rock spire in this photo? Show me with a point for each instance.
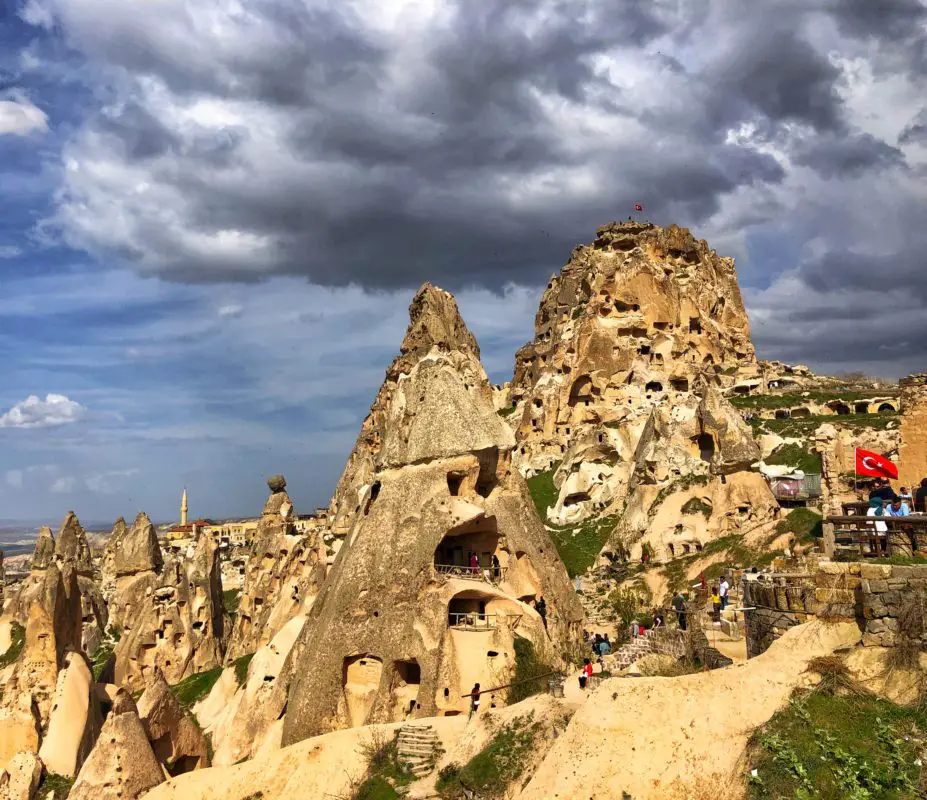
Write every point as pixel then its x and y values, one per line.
pixel 183 507
pixel 444 557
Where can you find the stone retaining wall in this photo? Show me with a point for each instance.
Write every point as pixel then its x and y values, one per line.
pixel 875 595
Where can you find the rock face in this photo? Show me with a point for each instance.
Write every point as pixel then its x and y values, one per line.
pixel 913 451
pixel 122 766
pixel 170 614
pixel 243 719
pixel 49 608
pixel 837 445
pixel 633 342
pixel 75 720
pixel 19 727
pixel 72 548
pixel 435 323
pixel 285 572
pixel 108 567
pixel 403 626
pixel 176 739
pixel 21 777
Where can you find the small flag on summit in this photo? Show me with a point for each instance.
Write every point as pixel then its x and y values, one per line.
pixel 638 207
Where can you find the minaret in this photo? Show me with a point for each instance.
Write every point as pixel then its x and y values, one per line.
pixel 183 507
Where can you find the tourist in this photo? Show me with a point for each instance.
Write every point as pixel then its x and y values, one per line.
pixel 474 563
pixel 586 673
pixel 897 509
pixel 595 643
pixel 905 495
pixel 715 604
pixel 474 700
pixel 881 529
pixel 496 567
pixel 635 629
pixel 920 498
pixel 679 606
pixel 541 608
pixel 658 619
pixel 723 590
pixel 883 490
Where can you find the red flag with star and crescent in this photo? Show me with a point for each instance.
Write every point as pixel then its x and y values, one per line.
pixel 874 466
pixel 638 207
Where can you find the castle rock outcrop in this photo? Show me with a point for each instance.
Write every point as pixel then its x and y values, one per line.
pixel 913 450
pixel 170 613
pixel 285 572
pixel 636 341
pixel 405 625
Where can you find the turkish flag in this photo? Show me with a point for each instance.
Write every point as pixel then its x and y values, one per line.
pixel 638 207
pixel 874 465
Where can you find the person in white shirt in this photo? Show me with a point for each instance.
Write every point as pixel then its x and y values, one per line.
pixel 723 590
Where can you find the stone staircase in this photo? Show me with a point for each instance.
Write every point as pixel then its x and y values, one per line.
pixel 637 648
pixel 418 748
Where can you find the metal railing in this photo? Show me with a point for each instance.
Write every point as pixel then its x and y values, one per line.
pixel 489 574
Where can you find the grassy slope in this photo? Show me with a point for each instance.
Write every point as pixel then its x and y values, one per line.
pixel 195 687
pixel 803 426
pixel 17 642
pixel 793 399
pixel 838 748
pixel 578 545
pixel 797 457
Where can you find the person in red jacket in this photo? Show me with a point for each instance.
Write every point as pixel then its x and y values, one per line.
pixel 586 673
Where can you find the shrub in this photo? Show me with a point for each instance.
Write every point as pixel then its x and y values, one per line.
pixel 17 643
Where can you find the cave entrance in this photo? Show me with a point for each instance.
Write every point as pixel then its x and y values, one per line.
pixel 886 408
pixel 453 555
pixel 467 611
pixel 706 446
pixel 861 408
pixel 360 681
pixel 488 478
pixel 407 679
pixel 581 392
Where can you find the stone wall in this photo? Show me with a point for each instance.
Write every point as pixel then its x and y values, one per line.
pixel 912 456
pixel 877 596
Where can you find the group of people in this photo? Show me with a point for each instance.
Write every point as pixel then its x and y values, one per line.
pixel 886 502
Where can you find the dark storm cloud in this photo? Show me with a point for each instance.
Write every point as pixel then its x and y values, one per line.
pixel 916 130
pixel 848 155
pixel 478 148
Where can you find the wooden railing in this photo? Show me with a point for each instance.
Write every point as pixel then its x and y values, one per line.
pixel 861 534
pixel 489 574
pixel 470 621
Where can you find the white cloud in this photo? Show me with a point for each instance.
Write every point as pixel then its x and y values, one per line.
pixel 33 412
pixel 20 117
pixel 64 485
pixel 14 478
pixel 9 251
pixel 232 310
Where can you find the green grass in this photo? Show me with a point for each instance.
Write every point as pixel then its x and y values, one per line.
pixel 57 784
pixel 736 554
pixel 17 643
pixel 899 561
pixel 805 523
pixel 678 485
pixel 803 426
pixel 543 492
pixel 793 399
pixel 194 688
pixel 837 748
pixel 578 545
pixel 490 773
pixel 695 505
pixel 241 668
pixel 527 666
pixel 507 411
pixel 376 788
pixel 798 457
pixel 100 660
pixel 230 600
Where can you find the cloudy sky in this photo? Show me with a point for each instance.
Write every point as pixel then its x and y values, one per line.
pixel 213 213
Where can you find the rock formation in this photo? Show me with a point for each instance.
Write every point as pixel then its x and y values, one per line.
pixel 284 574
pixel 176 739
pixel 49 608
pixel 404 626
pixel 75 720
pixel 71 547
pixel 913 451
pixel 2 582
pixel 170 615
pixel 244 719
pixel 122 765
pixel 837 446
pixel 20 779
pixel 108 565
pixel 20 727
pixel 622 387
